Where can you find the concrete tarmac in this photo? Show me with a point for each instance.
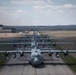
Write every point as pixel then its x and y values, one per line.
pixel 30 70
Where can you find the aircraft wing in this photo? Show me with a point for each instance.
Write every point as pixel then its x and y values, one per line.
pixel 39 43
pixel 47 43
pixel 15 51
pixel 58 51
pixel 27 43
pixel 64 43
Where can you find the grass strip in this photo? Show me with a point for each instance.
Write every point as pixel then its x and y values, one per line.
pixel 7 47
pixel 3 58
pixel 68 59
pixel 71 60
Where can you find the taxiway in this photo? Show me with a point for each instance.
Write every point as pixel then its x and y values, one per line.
pixel 23 67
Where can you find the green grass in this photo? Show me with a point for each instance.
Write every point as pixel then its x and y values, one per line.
pixel 70 59
pixel 7 47
pixel 3 58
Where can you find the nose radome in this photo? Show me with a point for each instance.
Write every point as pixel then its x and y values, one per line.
pixel 36 60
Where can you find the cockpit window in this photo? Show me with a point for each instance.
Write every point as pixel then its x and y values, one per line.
pixel 35 56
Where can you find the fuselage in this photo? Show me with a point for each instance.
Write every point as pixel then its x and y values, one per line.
pixel 36 57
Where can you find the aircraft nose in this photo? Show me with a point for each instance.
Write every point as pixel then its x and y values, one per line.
pixel 36 60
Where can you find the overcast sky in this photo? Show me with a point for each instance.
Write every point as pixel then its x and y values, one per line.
pixel 37 12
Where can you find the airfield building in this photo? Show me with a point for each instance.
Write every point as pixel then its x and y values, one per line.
pixel 6 29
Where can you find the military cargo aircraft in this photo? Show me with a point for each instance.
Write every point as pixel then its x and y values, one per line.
pixel 36 57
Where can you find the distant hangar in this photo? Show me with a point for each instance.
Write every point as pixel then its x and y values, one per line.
pixel 6 29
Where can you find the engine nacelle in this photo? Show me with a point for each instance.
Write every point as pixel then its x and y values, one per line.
pixel 6 54
pixel 24 45
pixel 19 45
pixel 54 44
pixel 21 54
pixel 44 44
pixel 49 46
pixel 14 45
pixel 14 55
pixel 65 53
pixel 50 54
pixel 40 39
pixel 57 55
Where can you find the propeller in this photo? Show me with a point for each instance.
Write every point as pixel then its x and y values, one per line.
pixel 19 45
pixel 14 45
pixel 44 44
pixel 24 45
pixel 54 44
pixel 14 55
pixel 50 54
pixel 65 53
pixel 57 54
pixel 21 54
pixel 6 54
pixel 41 39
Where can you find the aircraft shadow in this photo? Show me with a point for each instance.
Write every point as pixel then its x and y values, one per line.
pixel 42 65
pixel 70 64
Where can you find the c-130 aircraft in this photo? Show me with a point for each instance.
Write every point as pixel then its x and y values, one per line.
pixel 36 57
